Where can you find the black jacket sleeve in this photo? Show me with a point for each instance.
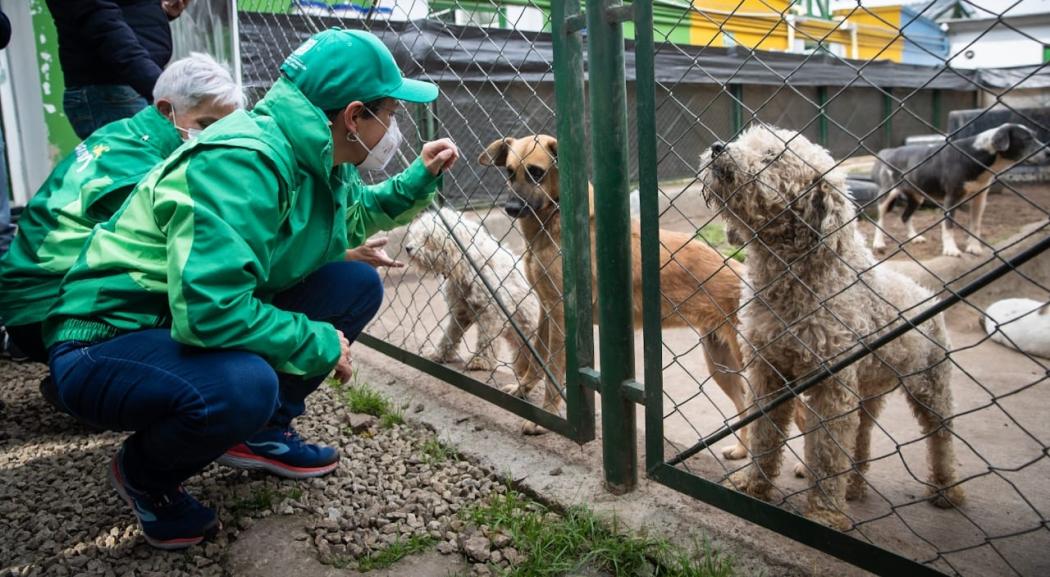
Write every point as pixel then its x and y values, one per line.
pixel 112 40
pixel 5 30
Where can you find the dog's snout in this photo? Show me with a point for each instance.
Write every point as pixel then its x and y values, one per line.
pixel 409 249
pixel 718 147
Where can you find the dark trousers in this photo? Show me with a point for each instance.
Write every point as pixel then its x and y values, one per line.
pixel 188 405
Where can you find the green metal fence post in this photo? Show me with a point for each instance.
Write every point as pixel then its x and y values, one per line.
pixel 608 98
pixel 737 92
pixel 576 219
pixel 822 120
pixel 649 209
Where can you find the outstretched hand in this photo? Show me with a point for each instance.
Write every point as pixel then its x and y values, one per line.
pixel 373 253
pixel 439 155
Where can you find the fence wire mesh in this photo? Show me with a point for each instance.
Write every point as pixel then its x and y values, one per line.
pixel 840 80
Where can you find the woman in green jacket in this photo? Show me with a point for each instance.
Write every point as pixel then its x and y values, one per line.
pixel 90 184
pixel 217 298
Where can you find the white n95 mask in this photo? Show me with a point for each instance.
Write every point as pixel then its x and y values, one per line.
pixel 379 156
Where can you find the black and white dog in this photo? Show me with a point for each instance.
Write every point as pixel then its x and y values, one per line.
pixel 951 174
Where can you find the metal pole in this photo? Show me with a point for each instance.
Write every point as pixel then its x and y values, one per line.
pixel 608 98
pixel 822 121
pixel 648 192
pixel 576 219
pixel 887 118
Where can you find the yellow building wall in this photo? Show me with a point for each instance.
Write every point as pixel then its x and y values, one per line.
pixel 878 35
pixel 752 23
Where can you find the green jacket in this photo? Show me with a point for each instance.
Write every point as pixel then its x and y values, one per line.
pixel 245 211
pixel 86 188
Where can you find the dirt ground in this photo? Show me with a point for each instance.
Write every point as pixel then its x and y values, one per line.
pixel 1004 214
pixel 1001 399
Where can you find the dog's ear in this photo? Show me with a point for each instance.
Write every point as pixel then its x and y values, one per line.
pixel 552 148
pixel 1001 139
pixel 496 153
pixel 828 207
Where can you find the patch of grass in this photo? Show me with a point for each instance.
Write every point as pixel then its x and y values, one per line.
pixel 392 417
pixel 263 498
pixel 436 452
pixel 554 545
pixel 362 398
pixel 395 552
pixel 714 233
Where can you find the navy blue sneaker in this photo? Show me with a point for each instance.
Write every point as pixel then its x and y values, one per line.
pixel 283 453
pixel 171 520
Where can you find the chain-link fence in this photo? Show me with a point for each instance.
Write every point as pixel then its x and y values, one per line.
pixel 766 272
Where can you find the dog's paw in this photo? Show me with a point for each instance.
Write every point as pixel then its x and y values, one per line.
pixel 918 239
pixel 879 245
pixel 751 484
pixel 833 519
pixel 974 247
pixel 732 453
pixel 800 470
pixel 951 250
pixel 856 489
pixel 480 363
pixel 532 429
pixel 947 498
pixel 515 390
pixel 442 357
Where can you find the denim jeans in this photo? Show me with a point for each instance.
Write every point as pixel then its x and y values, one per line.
pixel 92 107
pixel 188 405
pixel 7 230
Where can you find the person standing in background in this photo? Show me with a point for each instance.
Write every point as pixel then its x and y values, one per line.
pixel 111 52
pixel 7 230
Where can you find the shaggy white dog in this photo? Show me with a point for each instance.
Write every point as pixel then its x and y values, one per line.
pixel 432 247
pixel 814 293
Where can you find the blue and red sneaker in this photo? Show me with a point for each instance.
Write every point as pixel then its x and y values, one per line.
pixel 169 520
pixel 282 452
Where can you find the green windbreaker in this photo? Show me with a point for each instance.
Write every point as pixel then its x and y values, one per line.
pixel 86 188
pixel 245 211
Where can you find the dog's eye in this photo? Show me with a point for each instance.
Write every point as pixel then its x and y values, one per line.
pixel 537 173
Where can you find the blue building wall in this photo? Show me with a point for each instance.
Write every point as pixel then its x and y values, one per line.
pixel 924 42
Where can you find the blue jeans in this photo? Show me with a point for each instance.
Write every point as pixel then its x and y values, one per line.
pixel 188 405
pixel 92 107
pixel 7 230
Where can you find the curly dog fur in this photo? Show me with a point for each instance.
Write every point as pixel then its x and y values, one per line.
pixel 432 248
pixel 813 294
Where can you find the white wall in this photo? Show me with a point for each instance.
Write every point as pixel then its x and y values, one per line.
pixel 1000 48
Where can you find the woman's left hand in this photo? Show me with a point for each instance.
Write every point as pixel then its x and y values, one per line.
pixel 439 155
pixel 373 253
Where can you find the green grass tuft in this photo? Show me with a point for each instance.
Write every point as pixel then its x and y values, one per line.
pixel 395 552
pixel 436 452
pixel 554 545
pixel 263 498
pixel 714 233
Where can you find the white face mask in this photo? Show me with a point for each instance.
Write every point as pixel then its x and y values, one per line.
pixel 379 156
pixel 191 133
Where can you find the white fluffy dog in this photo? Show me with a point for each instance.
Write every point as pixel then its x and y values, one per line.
pixel 815 293
pixel 431 247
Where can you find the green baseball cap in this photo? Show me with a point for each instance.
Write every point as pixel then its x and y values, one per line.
pixel 336 67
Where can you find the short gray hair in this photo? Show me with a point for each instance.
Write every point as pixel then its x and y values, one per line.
pixel 198 77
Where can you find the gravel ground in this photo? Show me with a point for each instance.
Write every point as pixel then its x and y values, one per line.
pixel 58 515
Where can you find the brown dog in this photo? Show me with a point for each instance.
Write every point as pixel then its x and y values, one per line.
pixel 699 289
